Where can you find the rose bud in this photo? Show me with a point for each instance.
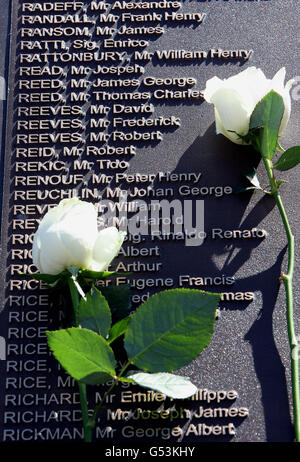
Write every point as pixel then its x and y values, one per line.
pixel 236 97
pixel 68 237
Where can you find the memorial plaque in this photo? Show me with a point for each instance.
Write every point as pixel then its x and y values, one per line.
pixel 104 103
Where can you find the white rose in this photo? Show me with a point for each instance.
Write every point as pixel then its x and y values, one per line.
pixel 235 99
pixel 68 236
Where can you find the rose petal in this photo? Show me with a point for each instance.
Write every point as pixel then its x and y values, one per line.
pixel 77 231
pixel 236 97
pixel 53 256
pixel 231 112
pixel 107 245
pixel 252 85
pixel 278 79
pixel 65 237
pixel 36 249
pixel 284 91
pixel 212 85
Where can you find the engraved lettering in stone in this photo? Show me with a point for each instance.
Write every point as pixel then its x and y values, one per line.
pixel 40 84
pixel 125 30
pixel 185 17
pixel 181 54
pixel 67 31
pixel 49 138
pixel 149 17
pixel 95 6
pixel 28 365
pixel 130 43
pixel 101 83
pixel 52 180
pixel 56 19
pixel 40 71
pixel 30 349
pixel 32 209
pixel 184 280
pixel 143 122
pixel 217 191
pixel 52 6
pixel 82 111
pixel 138 267
pixel 26 332
pixel 142 251
pixel 30 300
pixel 37 111
pixel 218 233
pixel 219 53
pixel 169 81
pixel 43 45
pixel 137 136
pixel 163 4
pixel 49 124
pixel 18 383
pixel 87 56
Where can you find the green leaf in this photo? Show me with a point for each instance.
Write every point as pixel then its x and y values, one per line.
pixel 279 182
pixel 174 386
pixel 248 188
pixel 85 355
pixel 94 313
pixel 171 329
pixel 126 380
pixel 266 117
pixel 289 159
pixel 118 329
pixel 279 147
pixel 118 298
pixel 89 274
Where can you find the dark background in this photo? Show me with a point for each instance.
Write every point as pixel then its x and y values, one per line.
pixel 249 351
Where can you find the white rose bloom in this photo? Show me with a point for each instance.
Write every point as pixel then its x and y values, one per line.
pixel 68 236
pixel 235 99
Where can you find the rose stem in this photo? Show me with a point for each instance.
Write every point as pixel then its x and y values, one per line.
pixel 288 284
pixel 82 387
pixel 99 406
